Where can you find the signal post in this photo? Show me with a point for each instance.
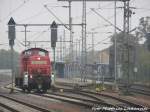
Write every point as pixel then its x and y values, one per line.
pixel 11 37
pixel 53 45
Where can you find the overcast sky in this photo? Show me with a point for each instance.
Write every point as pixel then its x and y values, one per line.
pixel 33 11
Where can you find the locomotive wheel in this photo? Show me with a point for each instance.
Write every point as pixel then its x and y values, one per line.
pixel 39 87
pixel 23 89
pixel 44 90
pixel 29 89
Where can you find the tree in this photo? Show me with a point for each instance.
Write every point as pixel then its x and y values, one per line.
pixel 143 31
pixel 126 44
pixel 143 74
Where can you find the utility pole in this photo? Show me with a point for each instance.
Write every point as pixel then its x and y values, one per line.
pixel 79 50
pixel 71 35
pixel 83 54
pixel 79 59
pixel 93 45
pixel 61 47
pixel 64 46
pixel 115 48
pixel 126 55
pixel 93 52
pixel 76 43
pixel 25 27
pixel 84 51
pixel 126 46
pixel 57 55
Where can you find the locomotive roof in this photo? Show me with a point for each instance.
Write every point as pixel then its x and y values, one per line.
pixel 31 49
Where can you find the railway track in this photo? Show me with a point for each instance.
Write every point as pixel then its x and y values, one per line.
pixel 16 105
pixel 137 90
pixel 87 103
pixel 78 101
pixel 8 108
pixel 116 102
pixel 111 103
pixel 98 101
pixel 92 99
pixel 140 91
pixel 134 88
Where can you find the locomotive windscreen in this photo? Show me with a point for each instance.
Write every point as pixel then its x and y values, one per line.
pixel 35 51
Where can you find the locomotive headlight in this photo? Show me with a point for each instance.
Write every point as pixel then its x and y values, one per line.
pixel 52 75
pixel 38 58
pixel 25 74
pixel 25 79
pixel 31 76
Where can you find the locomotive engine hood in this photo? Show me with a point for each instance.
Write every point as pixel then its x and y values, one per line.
pixel 39 65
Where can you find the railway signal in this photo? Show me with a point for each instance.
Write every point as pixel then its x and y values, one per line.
pixel 53 45
pixel 11 31
pixel 53 34
pixel 11 37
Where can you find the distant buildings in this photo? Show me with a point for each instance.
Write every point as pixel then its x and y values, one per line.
pixel 103 56
pixel 98 57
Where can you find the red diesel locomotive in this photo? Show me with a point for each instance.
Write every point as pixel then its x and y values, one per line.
pixel 35 70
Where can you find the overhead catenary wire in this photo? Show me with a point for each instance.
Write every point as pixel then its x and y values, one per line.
pixel 100 42
pixel 133 0
pixel 15 9
pixel 44 31
pixel 33 16
pixel 106 19
pixel 109 4
pixel 57 17
pixel 110 17
pixel 89 12
pixel 20 43
pixel 40 34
